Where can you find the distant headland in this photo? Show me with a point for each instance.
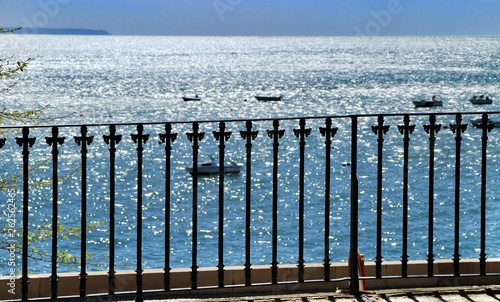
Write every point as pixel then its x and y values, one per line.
pixel 61 31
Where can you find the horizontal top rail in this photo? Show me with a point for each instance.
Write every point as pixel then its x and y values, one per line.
pixel 252 119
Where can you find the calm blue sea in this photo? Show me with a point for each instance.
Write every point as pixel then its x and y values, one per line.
pixel 108 79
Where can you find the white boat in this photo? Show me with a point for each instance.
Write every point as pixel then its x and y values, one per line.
pixel 481 100
pixel 211 167
pixel 478 122
pixel 190 98
pixel 434 102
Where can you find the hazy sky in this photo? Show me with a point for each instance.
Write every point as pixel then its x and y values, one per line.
pixel 260 17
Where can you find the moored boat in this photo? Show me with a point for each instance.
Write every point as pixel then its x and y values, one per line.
pixel 268 98
pixel 481 100
pixel 188 98
pixel 478 122
pixel 434 102
pixel 211 167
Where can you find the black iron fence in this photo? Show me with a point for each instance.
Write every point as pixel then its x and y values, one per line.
pixel 413 163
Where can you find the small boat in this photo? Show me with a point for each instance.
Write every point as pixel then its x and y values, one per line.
pixel 434 102
pixel 188 99
pixel 268 98
pixel 481 100
pixel 478 122
pixel 211 167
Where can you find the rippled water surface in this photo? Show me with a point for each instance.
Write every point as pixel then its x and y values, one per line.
pixel 115 79
pixel 126 78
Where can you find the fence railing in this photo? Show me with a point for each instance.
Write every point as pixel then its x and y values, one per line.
pixel 408 183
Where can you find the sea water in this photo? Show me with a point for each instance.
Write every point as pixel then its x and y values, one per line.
pixel 137 79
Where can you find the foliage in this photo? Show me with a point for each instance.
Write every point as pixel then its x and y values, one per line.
pixel 41 233
pixel 24 117
pixel 9 68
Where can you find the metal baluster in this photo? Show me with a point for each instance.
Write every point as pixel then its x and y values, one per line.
pixel 112 140
pixel 431 129
pixel 328 132
pixel 221 136
pixel 458 129
pixel 484 159
pixel 301 133
pixel 380 130
pixel 167 138
pixel 275 134
pixel 139 139
pixel 83 141
pixel 406 130
pixel 249 136
pixel 25 142
pixel 194 137
pixel 54 141
pixel 353 253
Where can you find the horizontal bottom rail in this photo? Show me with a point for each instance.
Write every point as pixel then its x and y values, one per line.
pixel 234 278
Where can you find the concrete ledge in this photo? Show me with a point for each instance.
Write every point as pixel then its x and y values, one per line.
pixel 234 279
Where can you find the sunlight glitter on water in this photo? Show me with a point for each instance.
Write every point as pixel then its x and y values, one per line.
pixel 142 79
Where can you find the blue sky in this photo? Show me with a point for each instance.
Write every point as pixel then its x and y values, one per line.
pixel 260 17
